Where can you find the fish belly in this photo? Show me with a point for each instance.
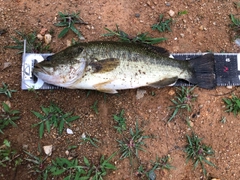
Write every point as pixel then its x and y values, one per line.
pixel 128 75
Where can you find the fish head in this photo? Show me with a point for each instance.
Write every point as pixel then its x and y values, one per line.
pixel 63 68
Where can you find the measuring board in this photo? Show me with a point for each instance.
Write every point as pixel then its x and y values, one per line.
pixel 227 69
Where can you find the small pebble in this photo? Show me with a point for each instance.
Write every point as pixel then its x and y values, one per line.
pixel 171 92
pixel 168 4
pixel 69 131
pixel 182 35
pixel 67 152
pixel 40 37
pixel 6 65
pixel 237 42
pixel 48 150
pixel 47 38
pixel 140 93
pixel 191 124
pixel 201 28
pixel 137 15
pixel 69 43
pixel 171 13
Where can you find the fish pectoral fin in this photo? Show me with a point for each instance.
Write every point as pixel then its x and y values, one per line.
pixel 104 65
pixel 102 87
pixel 109 91
pixel 164 82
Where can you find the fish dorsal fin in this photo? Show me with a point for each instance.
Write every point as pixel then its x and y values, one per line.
pixel 158 50
pixel 104 65
pixel 164 82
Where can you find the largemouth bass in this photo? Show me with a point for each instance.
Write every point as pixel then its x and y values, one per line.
pixel 111 66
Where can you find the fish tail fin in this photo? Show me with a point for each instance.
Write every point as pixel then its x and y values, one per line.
pixel 203 69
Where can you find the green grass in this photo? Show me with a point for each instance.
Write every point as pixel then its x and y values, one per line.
pixel 184 97
pixel 182 12
pixel 140 38
pixel 53 117
pixel 129 147
pixel 70 169
pixel 163 25
pixel 37 165
pixel 8 116
pixel 5 90
pixel 95 107
pixel 158 164
pixel 85 138
pixel 198 152
pixel 6 153
pixel 232 104
pixel 237 4
pixel 33 45
pixel 235 22
pixel 223 120
pixel 68 21
pixel 121 122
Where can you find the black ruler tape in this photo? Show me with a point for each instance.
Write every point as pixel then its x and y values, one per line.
pixel 227 68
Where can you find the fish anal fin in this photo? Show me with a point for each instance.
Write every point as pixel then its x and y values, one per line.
pixel 164 82
pixel 104 65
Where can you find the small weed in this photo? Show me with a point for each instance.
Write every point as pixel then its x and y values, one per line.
pixel 73 170
pixel 32 89
pixel 6 91
pixel 223 120
pixel 96 172
pixel 162 25
pixel 94 107
pixel 198 152
pixel 68 21
pixel 53 117
pixel 232 104
pixel 37 165
pixel 140 38
pixel 33 45
pixel 237 4
pixel 87 138
pixel 7 117
pixel 235 22
pixel 129 147
pixel 121 122
pixel 159 164
pixel 162 163
pixel 182 100
pixel 6 153
pixel 182 12
pixel 64 166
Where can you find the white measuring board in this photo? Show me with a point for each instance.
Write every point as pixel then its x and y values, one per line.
pixel 227 69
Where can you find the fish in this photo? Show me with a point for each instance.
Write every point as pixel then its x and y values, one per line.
pixel 109 66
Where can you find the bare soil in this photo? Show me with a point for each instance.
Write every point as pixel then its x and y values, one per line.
pixel 205 27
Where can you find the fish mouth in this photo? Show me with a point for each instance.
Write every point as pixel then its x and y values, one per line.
pixel 38 68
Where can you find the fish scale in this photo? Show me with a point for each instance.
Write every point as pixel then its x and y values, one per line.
pixel 227 69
